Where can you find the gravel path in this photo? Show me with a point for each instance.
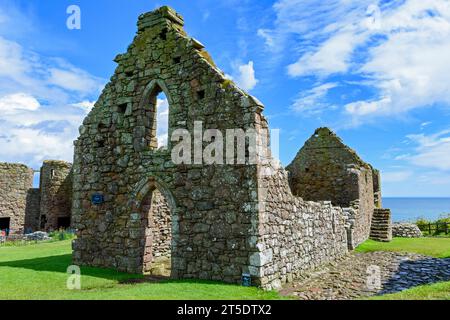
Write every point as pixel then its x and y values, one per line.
pixel 356 276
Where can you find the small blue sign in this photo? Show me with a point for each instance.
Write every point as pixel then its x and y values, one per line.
pixel 246 280
pixel 97 199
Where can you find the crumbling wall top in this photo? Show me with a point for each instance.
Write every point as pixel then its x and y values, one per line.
pixel 4 166
pixel 158 16
pixel 325 138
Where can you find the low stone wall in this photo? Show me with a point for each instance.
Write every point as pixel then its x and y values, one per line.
pixel 406 230
pixel 295 235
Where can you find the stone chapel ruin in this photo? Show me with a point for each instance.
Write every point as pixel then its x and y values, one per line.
pixel 132 203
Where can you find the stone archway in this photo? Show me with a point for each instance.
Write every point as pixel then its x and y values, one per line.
pixel 155 206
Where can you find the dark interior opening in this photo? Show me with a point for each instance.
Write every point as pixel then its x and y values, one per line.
pixel 177 60
pixel 43 222
pixel 163 34
pixel 5 224
pixel 201 94
pixel 129 74
pixel 102 127
pixel 64 222
pixel 101 143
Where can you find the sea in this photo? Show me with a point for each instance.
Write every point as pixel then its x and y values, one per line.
pixel 410 209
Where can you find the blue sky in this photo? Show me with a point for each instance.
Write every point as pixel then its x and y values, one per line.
pixel 377 72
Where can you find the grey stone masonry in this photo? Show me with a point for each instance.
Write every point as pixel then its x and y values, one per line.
pixel 27 209
pixel 32 213
pixel 213 208
pixel 15 182
pixel 325 169
pixel 381 229
pixel 56 193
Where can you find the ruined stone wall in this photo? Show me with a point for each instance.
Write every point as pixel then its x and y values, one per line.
pixel 15 182
pixel 376 176
pixel 325 169
pixel 32 212
pixel 295 235
pixel 56 193
pixel 213 207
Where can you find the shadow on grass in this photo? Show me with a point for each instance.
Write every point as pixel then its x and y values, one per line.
pixel 59 264
pixel 411 274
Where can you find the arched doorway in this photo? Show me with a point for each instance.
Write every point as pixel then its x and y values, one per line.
pixel 157 211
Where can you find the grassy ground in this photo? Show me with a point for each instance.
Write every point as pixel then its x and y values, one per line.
pixel 39 272
pixel 437 291
pixel 435 247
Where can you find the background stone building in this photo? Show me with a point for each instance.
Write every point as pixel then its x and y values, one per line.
pixel 224 219
pixel 16 183
pixel 56 195
pixel 24 208
pixel 325 169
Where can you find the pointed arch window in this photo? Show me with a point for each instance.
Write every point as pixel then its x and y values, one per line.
pixel 155 106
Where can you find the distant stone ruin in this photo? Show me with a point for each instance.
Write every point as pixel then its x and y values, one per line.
pixel 24 209
pixel 325 169
pixel 132 203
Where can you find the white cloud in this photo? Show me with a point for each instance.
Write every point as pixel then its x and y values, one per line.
pixel 313 101
pixel 17 102
pixel 43 101
pixel 400 49
pixel 332 57
pixel 74 79
pixel 244 76
pixel 268 38
pixel 432 151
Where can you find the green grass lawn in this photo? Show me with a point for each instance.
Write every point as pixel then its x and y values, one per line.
pixel 39 272
pixel 434 247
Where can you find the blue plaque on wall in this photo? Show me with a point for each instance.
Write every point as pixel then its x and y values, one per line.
pixel 246 280
pixel 97 199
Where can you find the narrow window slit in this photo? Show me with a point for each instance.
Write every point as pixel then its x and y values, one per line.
pixel 163 34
